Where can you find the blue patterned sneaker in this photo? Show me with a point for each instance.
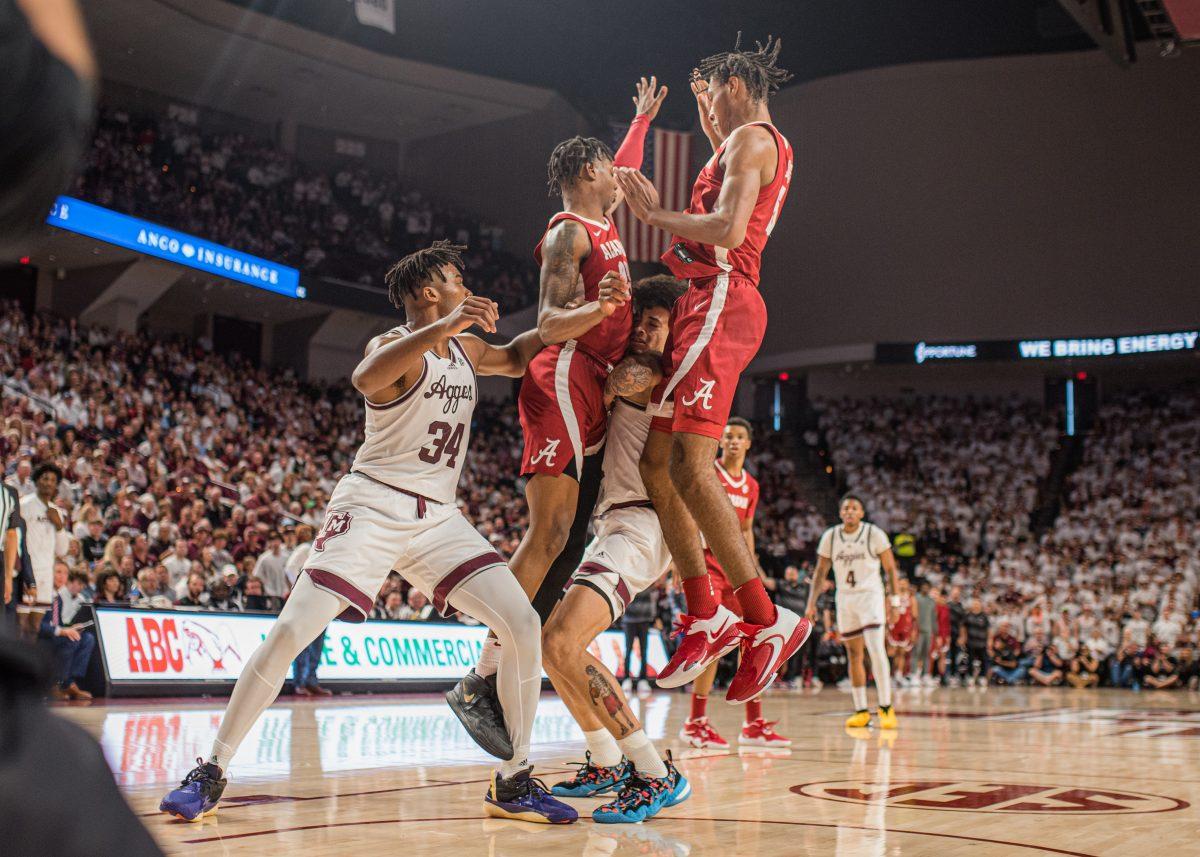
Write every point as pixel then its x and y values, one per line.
pixel 592 780
pixel 197 795
pixel 640 798
pixel 681 789
pixel 523 797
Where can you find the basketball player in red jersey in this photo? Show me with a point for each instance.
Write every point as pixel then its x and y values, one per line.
pixel 561 402
pixel 716 329
pixel 742 490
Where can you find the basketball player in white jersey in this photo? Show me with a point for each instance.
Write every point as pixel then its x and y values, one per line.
pixel 856 550
pixel 626 557
pixel 396 510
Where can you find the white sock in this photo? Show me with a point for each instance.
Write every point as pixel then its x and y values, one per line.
pixel 494 598
pixel 859 695
pixel 305 615
pixel 489 658
pixel 603 747
pixel 641 751
pixel 880 666
pixel 511 769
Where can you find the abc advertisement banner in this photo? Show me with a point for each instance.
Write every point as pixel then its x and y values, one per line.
pixel 147 647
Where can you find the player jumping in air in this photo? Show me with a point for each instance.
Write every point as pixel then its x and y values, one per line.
pixel 396 510
pixel 855 551
pixel 742 490
pixel 584 316
pixel 716 329
pixel 626 557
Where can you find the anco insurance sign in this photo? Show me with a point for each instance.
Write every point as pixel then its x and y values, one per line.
pixel 184 646
pixel 132 233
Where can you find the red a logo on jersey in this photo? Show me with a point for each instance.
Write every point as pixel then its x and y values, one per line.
pixel 336 524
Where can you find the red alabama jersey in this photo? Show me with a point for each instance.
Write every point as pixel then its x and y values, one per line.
pixel 743 495
pixel 743 492
pixel 608 339
pixel 691 260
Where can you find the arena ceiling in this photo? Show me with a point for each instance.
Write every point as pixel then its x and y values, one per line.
pixel 591 51
pixel 213 54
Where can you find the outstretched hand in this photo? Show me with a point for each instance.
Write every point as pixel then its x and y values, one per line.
pixel 640 194
pixel 474 310
pixel 649 97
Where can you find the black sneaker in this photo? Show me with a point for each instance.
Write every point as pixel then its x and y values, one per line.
pixel 476 705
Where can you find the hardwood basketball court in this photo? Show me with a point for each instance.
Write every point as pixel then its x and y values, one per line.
pixel 1006 771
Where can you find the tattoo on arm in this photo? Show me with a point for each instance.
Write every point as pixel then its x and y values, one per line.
pixel 608 698
pixel 560 267
pixel 635 374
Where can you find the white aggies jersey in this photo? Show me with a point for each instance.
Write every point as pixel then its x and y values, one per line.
pixel 418 442
pixel 628 428
pixel 855 557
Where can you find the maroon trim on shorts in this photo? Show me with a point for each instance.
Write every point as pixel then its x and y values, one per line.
pixel 630 504
pixel 406 395
pixel 595 569
pixel 859 631
pixel 452 580
pixel 360 604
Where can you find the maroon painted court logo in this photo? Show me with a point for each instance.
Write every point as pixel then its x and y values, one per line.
pixel 985 796
pixel 336 524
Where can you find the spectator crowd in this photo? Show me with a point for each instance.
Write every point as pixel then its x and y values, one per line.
pixel 351 223
pixel 153 472
pixel 1107 595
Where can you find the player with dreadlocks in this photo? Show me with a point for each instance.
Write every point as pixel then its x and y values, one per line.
pixel 395 509
pixel 716 328
pixel 585 318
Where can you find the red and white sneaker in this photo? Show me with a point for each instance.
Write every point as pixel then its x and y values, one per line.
pixel 761 733
pixel 764 651
pixel 700 734
pixel 704 641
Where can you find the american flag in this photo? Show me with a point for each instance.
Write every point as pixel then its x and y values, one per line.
pixel 667 162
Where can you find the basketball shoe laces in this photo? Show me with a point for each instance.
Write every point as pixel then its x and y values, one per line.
pixel 532 786
pixel 639 792
pixel 200 772
pixel 588 774
pixel 764 726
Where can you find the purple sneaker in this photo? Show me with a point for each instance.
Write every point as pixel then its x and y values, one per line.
pixel 523 797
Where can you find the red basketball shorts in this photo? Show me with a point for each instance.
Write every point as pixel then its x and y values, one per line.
pixel 716 329
pixel 561 406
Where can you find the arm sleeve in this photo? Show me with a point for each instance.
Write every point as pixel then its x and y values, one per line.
pixel 630 152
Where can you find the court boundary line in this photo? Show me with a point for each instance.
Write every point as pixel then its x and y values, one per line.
pixel 827 825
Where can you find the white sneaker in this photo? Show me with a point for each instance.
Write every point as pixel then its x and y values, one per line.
pixel 643 687
pixel 817 684
pixel 983 683
pixel 930 681
pixel 970 681
pixel 627 686
pixel 844 684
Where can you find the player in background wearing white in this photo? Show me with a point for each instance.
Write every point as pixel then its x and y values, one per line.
pixel 626 557
pixel 420 389
pixel 855 551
